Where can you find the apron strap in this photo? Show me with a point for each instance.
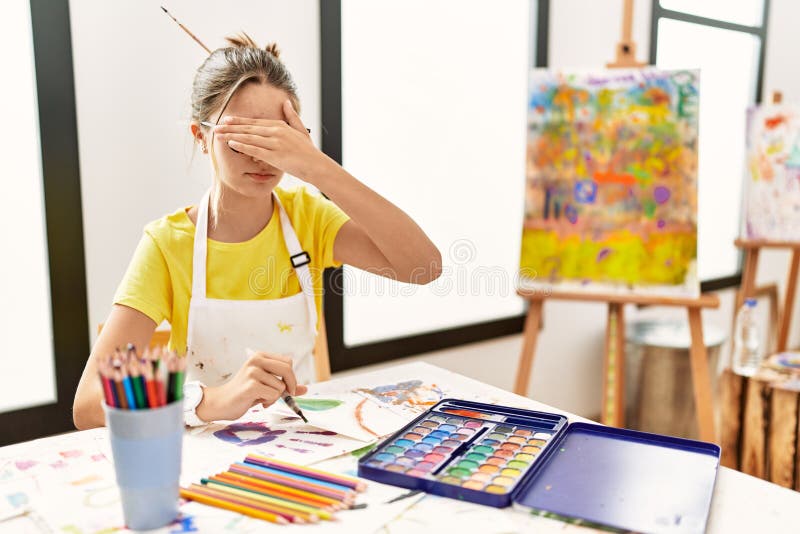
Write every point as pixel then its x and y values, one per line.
pixel 300 260
pixel 200 249
pixel 299 257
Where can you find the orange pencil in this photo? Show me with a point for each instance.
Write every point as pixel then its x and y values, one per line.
pixel 293 517
pixel 278 491
pixel 234 507
pixel 306 513
pixel 294 483
pixel 354 483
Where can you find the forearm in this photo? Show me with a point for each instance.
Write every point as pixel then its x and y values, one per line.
pixel 87 409
pixel 411 254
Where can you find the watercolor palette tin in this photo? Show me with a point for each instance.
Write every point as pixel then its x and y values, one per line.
pixel 499 456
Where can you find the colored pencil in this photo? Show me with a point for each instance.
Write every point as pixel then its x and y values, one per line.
pixel 227 505
pixel 275 494
pixel 121 396
pixel 136 383
pixel 126 383
pixel 150 385
pixel 313 488
pixel 298 494
pixel 112 384
pixel 291 516
pixel 342 480
pixel 269 500
pixel 302 478
pixel 161 381
pixel 107 390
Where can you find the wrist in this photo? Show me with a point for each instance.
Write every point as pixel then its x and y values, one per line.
pixel 320 172
pixel 206 410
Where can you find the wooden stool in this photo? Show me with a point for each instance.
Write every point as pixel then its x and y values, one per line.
pixel 760 431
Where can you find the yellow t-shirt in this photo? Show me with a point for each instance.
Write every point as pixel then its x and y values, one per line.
pixel 158 281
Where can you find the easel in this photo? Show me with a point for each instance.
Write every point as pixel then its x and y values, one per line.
pixel 626 48
pixel 613 409
pixel 752 249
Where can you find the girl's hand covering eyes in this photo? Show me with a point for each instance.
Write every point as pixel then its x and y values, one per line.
pixel 285 145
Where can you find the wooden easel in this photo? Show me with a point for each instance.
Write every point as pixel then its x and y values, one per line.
pixel 613 409
pixel 626 48
pixel 752 249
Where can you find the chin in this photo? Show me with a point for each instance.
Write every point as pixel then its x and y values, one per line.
pixel 251 187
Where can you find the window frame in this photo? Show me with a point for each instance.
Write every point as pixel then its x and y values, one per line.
pixel 658 13
pixel 52 50
pixel 343 356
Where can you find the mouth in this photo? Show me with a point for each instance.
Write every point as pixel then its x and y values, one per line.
pixel 260 177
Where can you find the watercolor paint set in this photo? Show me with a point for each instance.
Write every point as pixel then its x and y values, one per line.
pixel 501 456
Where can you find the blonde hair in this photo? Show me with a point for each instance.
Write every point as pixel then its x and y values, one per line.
pixel 223 73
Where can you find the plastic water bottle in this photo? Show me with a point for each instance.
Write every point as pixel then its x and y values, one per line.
pixel 747 354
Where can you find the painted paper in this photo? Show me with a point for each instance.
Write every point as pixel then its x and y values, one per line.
pixel 611 182
pixel 348 414
pixel 772 181
pixel 407 397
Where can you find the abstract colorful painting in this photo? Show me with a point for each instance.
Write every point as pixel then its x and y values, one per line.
pixel 611 181
pixel 772 182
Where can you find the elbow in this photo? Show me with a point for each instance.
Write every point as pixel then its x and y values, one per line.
pixel 435 270
pixel 83 417
pixel 429 271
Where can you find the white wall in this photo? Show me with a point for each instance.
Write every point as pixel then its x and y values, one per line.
pixel 133 74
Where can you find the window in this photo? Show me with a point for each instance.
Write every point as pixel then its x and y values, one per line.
pixel 422 93
pixel 726 41
pixel 44 325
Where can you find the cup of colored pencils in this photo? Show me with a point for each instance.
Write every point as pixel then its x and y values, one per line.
pixel 277 491
pixel 144 414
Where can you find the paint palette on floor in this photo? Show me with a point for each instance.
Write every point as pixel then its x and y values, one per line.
pixel 499 456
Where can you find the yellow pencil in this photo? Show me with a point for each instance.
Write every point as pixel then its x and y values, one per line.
pixel 342 480
pixel 312 499
pixel 269 499
pixel 293 516
pixel 233 507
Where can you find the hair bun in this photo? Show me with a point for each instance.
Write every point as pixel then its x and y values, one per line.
pixel 272 48
pixel 242 40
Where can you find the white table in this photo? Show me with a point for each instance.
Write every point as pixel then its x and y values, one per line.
pixel 741 503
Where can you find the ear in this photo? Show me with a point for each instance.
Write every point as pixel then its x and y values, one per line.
pixel 197 132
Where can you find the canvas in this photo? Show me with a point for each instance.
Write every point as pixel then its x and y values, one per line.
pixel 772 180
pixel 611 182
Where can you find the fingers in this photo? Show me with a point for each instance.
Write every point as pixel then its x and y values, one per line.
pixel 301 390
pixel 279 365
pixel 257 152
pixel 233 120
pixel 265 386
pixel 269 143
pixel 264 130
pixel 293 118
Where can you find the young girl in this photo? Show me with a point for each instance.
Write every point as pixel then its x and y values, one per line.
pixel 243 268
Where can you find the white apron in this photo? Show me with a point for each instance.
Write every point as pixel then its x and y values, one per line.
pixel 220 331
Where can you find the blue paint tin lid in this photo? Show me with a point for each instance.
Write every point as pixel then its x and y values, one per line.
pixel 626 479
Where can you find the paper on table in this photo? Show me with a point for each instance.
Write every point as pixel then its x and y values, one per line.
pixel 266 432
pixel 348 414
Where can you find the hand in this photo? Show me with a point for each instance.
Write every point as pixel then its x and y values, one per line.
pixel 256 382
pixel 285 145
